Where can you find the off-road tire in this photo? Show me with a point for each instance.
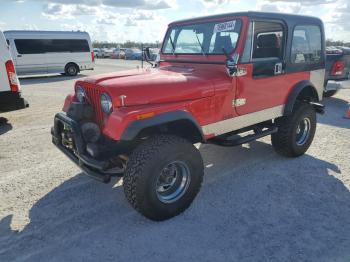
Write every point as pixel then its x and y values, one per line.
pixel 329 93
pixel 284 140
pixel 144 167
pixel 71 69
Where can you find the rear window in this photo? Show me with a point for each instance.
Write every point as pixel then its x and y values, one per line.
pixel 40 46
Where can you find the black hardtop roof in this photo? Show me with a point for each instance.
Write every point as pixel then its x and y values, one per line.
pixel 254 14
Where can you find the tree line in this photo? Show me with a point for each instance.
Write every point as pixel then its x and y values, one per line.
pixel 330 42
pixel 127 44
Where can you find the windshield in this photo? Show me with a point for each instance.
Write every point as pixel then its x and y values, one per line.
pixel 202 39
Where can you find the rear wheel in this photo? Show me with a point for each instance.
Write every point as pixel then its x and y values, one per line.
pixel 71 70
pixel 295 132
pixel 163 176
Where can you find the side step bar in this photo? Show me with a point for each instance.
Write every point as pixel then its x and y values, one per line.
pixel 319 108
pixel 236 141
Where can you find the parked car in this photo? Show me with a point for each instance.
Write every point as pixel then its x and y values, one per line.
pixel 337 69
pixel 236 84
pixel 10 89
pixel 47 52
pixel 122 54
pixel 133 54
pixel 107 52
pixel 98 53
pixel 118 53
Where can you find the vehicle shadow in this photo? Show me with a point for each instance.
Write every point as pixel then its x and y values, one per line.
pixel 335 112
pixel 249 209
pixel 4 126
pixel 30 80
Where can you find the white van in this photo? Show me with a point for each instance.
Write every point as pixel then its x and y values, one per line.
pixel 10 95
pixel 50 52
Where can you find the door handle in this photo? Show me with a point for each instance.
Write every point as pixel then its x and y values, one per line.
pixel 278 68
pixel 19 55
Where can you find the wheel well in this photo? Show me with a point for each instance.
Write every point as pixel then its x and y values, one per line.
pixel 308 94
pixel 302 92
pixel 183 128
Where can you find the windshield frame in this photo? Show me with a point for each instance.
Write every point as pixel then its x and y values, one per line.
pixel 226 19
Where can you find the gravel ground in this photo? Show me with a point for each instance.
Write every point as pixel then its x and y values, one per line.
pixel 254 204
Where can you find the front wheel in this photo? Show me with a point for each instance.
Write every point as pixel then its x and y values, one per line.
pixel 163 176
pixel 295 132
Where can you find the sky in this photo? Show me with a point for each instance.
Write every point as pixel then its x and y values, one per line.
pixel 147 20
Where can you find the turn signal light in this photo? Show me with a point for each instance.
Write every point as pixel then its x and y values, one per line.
pixel 145 116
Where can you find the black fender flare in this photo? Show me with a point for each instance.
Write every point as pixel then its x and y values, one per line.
pixel 297 90
pixel 137 126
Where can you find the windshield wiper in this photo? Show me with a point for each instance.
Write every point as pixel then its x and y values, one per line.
pixel 172 44
pixel 200 44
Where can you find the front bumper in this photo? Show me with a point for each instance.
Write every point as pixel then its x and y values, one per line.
pixel 96 168
pixel 11 101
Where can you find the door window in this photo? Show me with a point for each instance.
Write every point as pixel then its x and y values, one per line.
pixel 268 41
pixel 306 44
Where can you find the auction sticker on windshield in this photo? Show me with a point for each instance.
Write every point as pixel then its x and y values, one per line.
pixel 227 26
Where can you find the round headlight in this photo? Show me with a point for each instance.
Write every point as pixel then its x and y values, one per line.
pixel 80 94
pixel 106 103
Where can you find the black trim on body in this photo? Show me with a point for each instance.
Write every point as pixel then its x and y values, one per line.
pixel 137 126
pixel 298 88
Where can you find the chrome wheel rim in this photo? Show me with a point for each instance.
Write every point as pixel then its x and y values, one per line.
pixel 172 182
pixel 303 131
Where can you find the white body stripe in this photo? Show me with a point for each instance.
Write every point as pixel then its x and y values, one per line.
pixel 239 122
pixel 317 78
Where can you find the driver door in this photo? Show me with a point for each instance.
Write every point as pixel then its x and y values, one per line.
pixel 262 86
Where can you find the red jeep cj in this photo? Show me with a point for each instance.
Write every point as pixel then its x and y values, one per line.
pixel 225 79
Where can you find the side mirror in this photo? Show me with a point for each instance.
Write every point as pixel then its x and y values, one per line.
pixel 147 54
pixel 231 67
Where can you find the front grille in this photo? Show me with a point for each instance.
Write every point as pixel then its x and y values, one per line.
pixel 94 95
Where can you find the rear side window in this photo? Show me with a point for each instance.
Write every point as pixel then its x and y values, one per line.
pixel 40 46
pixel 306 45
pixel 62 45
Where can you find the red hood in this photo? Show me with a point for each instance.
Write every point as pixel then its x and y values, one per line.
pixel 160 85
